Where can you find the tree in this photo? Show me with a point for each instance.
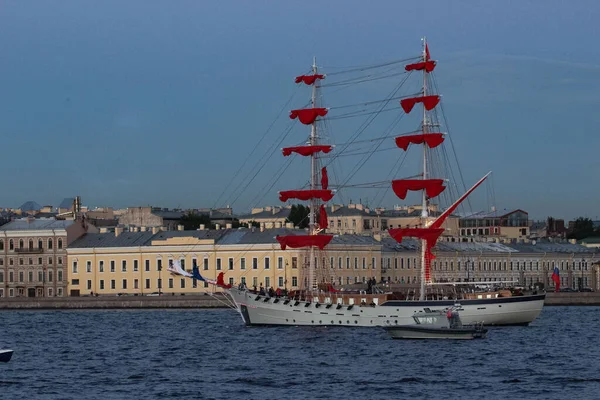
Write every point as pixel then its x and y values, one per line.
pixel 192 221
pixel 299 216
pixel 582 228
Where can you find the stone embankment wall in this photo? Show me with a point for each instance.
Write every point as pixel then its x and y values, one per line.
pixel 106 302
pixel 572 299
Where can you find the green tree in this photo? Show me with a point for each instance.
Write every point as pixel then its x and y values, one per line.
pixel 582 228
pixel 192 221
pixel 299 216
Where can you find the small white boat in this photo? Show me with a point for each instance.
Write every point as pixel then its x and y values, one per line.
pixel 436 324
pixel 5 355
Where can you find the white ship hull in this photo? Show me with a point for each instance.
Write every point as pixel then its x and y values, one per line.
pixel 260 310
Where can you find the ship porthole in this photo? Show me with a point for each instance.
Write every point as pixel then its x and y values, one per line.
pixel 294 321
pixel 347 322
pixel 312 322
pixel 340 322
pixel 287 320
pixel 356 322
pixel 396 322
pixel 320 322
pixel 332 321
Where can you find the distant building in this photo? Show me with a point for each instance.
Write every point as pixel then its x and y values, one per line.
pixel 33 256
pixel 269 217
pixel 500 224
pixel 151 217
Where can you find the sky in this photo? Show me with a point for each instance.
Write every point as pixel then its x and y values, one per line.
pixel 147 102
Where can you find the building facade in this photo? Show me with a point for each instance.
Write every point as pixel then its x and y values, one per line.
pixel 33 256
pixel 136 262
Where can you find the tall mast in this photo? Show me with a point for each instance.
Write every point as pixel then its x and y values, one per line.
pixel 424 211
pixel 313 181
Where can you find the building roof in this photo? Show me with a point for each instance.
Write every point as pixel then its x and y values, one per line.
pixel 67 203
pixel 346 211
pixel 30 206
pixel 125 239
pixel 30 224
pixel 283 213
pixel 491 214
pixel 167 214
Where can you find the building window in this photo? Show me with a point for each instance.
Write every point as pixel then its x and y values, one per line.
pixel 135 265
pixel 135 284
pixel 50 276
pixel 206 264
pixel 230 263
pixel 74 267
pixel 243 263
pixel 280 283
pixel 59 275
pixel 59 246
pixel 113 284
pixel 11 244
pixel 147 262
pixel 101 284
pixel 30 244
pixel 182 283
pixel 59 260
pixel 30 276
pixel 170 283
pixel 20 261
pixel 49 292
pixel 1 244
pixel 294 262
pixel 59 292
pixel 49 260
pixel 49 243
pixel 147 283
pixel 355 262
pixel 100 266
pixel 294 281
pixel 40 262
pixel 124 266
pixel 159 264
pixel 182 263
pixel 75 282
pixel 339 262
pixel 267 263
pixel 11 278
pixel 1 276
pixel 218 264
pixel 374 263
pixel 40 244
pixel 88 266
pixel 112 265
pixel 89 284
pixel 254 263
pixel 21 244
pixel 279 262
pixel 267 283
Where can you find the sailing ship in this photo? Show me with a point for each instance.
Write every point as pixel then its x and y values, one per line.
pixel 317 305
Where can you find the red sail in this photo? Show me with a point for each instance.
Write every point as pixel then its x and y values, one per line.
pixel 306 150
pixel 324 195
pixel 432 140
pixel 428 66
pixel 308 115
pixel 298 241
pixel 432 187
pixel 221 281
pixel 323 224
pixel 309 79
pixel 428 101
pixel 324 178
pixel 430 235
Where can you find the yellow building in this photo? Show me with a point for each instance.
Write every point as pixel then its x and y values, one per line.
pixel 136 262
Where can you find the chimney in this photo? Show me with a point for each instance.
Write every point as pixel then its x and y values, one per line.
pixel 103 230
pixel 118 231
pixel 217 226
pixel 143 229
pixel 179 227
pixel 133 229
pixel 201 227
pixel 155 230
pixel 228 226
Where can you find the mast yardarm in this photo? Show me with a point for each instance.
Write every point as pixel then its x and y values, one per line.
pixel 306 150
pixel 308 115
pixel 432 140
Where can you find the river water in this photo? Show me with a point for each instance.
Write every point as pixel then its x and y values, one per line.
pixel 210 354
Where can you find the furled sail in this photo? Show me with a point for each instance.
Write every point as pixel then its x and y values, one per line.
pixel 432 187
pixel 324 178
pixel 306 150
pixel 432 140
pixel 323 221
pixel 427 66
pixel 309 79
pixel 428 101
pixel 430 235
pixel 324 195
pixel 298 241
pixel 308 115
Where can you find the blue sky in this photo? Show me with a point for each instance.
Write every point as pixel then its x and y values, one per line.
pixel 141 102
